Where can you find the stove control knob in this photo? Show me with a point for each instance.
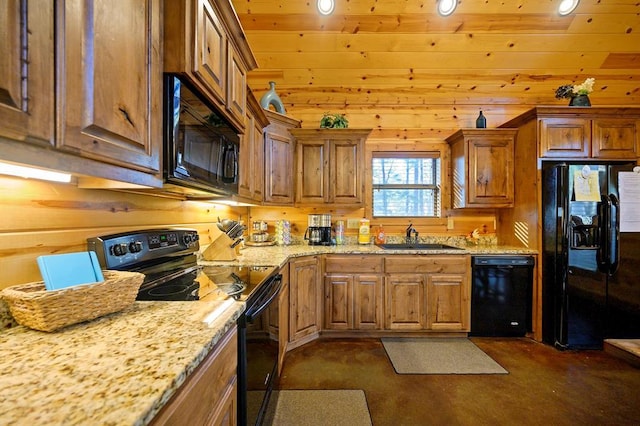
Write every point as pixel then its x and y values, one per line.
pixel 190 239
pixel 135 246
pixel 119 249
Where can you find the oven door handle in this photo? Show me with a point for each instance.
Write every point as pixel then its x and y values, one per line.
pixel 273 289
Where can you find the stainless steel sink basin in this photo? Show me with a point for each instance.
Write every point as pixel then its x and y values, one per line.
pixel 418 246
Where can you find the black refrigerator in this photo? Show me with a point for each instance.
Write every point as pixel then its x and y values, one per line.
pixel 590 270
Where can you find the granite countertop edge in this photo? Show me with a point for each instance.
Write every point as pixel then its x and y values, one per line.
pixel 114 370
pixel 280 255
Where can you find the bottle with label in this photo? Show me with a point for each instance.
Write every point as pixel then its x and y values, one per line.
pixel 380 237
pixel 340 232
pixel 363 232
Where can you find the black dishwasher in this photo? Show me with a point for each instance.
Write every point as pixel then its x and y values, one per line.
pixel 501 295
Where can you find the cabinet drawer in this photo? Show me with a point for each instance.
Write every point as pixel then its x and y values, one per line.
pixel 353 264
pixel 426 264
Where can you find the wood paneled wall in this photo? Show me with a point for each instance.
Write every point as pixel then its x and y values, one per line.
pixel 41 218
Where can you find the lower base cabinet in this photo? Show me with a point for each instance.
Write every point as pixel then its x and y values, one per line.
pixel 353 298
pixel 427 293
pixel 304 300
pixel 209 395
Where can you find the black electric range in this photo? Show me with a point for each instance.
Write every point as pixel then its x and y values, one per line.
pixel 169 260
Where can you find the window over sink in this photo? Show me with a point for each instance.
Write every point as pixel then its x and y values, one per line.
pixel 406 184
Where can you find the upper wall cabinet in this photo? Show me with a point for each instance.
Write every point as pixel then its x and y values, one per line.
pixel 278 159
pixel 109 99
pixel 589 137
pixel 330 166
pixel 205 41
pixel 251 167
pixel 26 74
pixel 107 88
pixel 482 167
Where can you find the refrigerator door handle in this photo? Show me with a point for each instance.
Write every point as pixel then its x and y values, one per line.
pixel 602 255
pixel 614 234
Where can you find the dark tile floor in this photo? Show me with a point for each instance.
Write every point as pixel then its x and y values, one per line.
pixel 544 386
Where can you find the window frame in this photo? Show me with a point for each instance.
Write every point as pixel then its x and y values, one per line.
pixel 396 150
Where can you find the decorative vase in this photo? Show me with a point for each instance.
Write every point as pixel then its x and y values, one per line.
pixel 272 98
pixel 580 100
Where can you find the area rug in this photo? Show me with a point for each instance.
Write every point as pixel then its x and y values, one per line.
pixel 439 356
pixel 320 407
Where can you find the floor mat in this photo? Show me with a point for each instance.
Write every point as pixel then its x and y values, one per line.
pixel 439 356
pixel 320 407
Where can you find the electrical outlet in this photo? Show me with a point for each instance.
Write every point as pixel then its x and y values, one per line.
pixel 449 223
pixel 353 223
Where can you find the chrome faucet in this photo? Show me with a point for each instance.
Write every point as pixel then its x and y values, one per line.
pixel 412 235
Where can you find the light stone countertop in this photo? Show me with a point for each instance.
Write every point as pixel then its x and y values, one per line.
pixel 279 255
pixel 119 369
pixel 122 368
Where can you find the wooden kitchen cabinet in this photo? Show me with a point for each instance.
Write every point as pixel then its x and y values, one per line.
pixel 114 120
pixel 330 166
pixel 405 302
pixel 353 293
pixel 278 326
pixel 251 166
pixel 104 126
pixel 428 293
pixel 482 168
pixel 205 42
pixel 278 159
pixel 305 315
pixel 209 394
pixel 27 101
pixel 609 138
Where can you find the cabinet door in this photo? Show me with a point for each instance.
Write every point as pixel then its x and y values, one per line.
pixel 236 86
pixel 110 81
pixel 283 318
pixel 304 299
pixel 405 307
pixel 338 302
pixel 347 171
pixel 565 137
pixel 491 171
pixel 210 40
pixel 26 73
pixel 447 303
pixel 312 174
pixel 251 167
pixel 245 158
pixel 368 308
pixel 278 158
pixel 257 162
pixel 615 138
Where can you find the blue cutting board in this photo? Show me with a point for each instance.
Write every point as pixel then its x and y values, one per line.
pixel 66 270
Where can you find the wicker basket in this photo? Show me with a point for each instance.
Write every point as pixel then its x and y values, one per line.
pixel 34 307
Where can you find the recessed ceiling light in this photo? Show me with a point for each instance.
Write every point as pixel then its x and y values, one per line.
pixel 567 6
pixel 446 7
pixel 325 7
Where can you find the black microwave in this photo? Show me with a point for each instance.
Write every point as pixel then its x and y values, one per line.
pixel 201 148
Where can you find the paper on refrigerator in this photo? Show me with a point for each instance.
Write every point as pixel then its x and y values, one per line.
pixel 629 190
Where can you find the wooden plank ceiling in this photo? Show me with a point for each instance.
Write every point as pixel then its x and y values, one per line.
pixel 399 67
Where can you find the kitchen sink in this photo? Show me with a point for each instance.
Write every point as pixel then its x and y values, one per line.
pixel 417 246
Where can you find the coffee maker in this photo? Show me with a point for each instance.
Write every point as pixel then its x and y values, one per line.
pixel 318 231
